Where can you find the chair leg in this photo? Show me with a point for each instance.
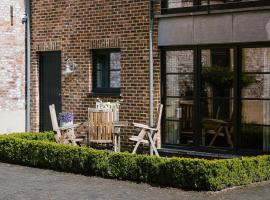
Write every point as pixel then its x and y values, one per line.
pixel 119 143
pixel 215 136
pixel 140 137
pixel 228 136
pixel 115 143
pixel 152 143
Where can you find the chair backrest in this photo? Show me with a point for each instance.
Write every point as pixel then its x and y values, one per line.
pixel 114 106
pixel 186 115
pixel 100 125
pixel 54 118
pixel 160 109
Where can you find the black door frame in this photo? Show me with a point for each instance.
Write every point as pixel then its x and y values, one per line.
pixel 237 47
pixel 41 88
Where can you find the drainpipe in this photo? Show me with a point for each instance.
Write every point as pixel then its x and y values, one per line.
pixel 151 67
pixel 26 21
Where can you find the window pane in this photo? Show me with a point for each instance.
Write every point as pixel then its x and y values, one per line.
pixel 115 60
pixel 179 61
pixel 255 131
pixel 180 85
pixel 115 80
pixel 172 132
pixel 179 110
pixel 180 3
pixel 179 121
pixel 102 81
pixel 217 96
pixel 102 61
pixel 256 112
pixel 217 72
pixel 252 136
pixel 214 108
pixel 256 85
pixel 190 3
pixel 107 67
pixel 256 59
pixel 217 122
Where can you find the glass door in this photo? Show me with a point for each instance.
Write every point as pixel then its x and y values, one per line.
pixel 179 98
pixel 216 96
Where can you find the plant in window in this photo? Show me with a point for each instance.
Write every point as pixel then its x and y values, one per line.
pixel 222 77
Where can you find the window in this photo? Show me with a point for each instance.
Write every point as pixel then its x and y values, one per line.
pixel 174 6
pixel 179 97
pixel 255 101
pixel 217 96
pixel 106 71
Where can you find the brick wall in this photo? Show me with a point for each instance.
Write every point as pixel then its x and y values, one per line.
pixel 76 27
pixel 12 68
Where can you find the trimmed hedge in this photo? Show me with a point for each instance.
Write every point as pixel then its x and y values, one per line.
pixel 40 150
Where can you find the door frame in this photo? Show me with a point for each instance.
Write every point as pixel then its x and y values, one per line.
pixel 40 78
pixel 237 101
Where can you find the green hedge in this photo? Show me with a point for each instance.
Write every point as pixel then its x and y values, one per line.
pixel 40 150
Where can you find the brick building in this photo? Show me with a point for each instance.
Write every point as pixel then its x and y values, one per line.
pixel 12 67
pixel 108 43
pixel 77 31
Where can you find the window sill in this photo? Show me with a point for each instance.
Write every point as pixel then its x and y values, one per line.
pixel 104 94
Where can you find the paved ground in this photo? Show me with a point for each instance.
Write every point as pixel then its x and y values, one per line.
pixel 24 183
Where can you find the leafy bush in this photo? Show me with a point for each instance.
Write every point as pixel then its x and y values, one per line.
pixel 40 150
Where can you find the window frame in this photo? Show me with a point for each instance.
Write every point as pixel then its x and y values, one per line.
pixel 208 8
pixel 237 119
pixel 108 89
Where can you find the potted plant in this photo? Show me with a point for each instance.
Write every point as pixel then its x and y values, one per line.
pixel 65 119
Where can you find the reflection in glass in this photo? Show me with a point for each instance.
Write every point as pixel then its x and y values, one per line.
pixel 180 3
pixel 179 118
pixel 179 102
pixel 257 86
pixel 115 81
pixel 179 61
pixel 256 122
pixel 256 112
pixel 217 96
pixel 115 60
pixel 256 60
pixel 180 85
pixel 191 3
pixel 256 109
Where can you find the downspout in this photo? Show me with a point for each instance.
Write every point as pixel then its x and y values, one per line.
pixel 151 67
pixel 26 21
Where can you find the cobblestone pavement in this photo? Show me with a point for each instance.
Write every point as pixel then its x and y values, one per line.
pixel 24 183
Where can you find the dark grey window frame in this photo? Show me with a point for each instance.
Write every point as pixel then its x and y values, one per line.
pixel 237 118
pixel 197 7
pixel 105 89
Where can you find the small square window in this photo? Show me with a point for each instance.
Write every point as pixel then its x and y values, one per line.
pixel 106 71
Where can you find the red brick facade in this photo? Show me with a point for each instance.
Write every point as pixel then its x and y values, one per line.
pixel 75 28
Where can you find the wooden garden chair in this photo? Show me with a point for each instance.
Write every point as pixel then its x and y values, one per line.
pixel 100 126
pixel 146 131
pixel 117 124
pixel 222 128
pixel 63 134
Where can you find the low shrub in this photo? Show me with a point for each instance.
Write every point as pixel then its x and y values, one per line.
pixel 40 150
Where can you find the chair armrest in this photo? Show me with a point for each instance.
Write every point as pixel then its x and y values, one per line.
pixel 141 125
pixel 144 126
